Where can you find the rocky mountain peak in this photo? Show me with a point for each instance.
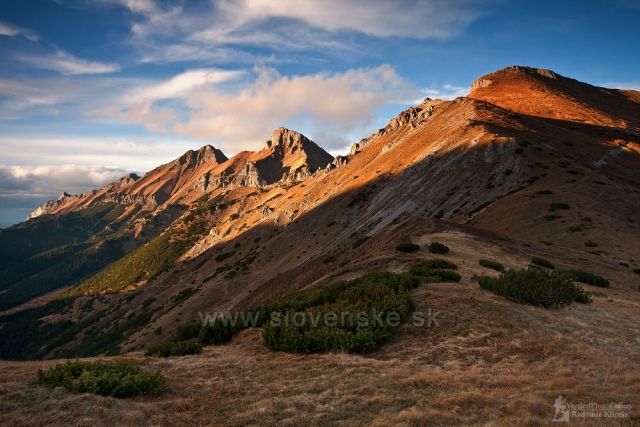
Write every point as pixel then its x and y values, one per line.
pixel 514 72
pixel 287 138
pixel 205 154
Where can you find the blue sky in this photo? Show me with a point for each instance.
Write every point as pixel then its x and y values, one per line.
pixel 92 89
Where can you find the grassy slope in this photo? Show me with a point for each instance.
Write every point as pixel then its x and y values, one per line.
pixel 149 260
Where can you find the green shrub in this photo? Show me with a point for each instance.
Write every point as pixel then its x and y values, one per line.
pixel 438 248
pixel 537 287
pixel 590 244
pixel 588 278
pixel 407 247
pixel 329 259
pixel 434 264
pixel 118 379
pixel 446 275
pixel 222 329
pixel 187 331
pixel 559 206
pixel 636 270
pixel 435 270
pixel 221 257
pixel 552 217
pixel 542 262
pixel 494 265
pixel 173 347
pixel 354 316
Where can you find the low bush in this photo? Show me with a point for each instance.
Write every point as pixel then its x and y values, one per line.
pixel 591 244
pixel 221 330
pixel 535 286
pixel 445 276
pixel 184 341
pixel 588 278
pixel 542 262
pixel 438 248
pixel 434 264
pixel 221 257
pixel 407 247
pixel 636 270
pixel 559 206
pixel 118 379
pixel 172 347
pixel 355 316
pixel 435 270
pixel 329 259
pixel 493 265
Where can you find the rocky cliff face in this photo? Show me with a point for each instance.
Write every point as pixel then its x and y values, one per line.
pixel 412 116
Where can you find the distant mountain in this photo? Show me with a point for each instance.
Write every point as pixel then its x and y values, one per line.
pixel 529 156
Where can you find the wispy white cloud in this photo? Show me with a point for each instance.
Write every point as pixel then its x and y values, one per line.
pixel 288 25
pixel 67 64
pixel 421 19
pixel 29 93
pixel 10 30
pixel 183 84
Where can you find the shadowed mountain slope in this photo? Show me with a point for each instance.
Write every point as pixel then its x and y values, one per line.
pixel 530 157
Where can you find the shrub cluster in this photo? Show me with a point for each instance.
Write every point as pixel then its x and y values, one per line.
pixel 537 287
pixel 354 316
pixel 189 338
pixel 542 262
pixel 117 379
pixel 493 265
pixel 183 342
pixel 588 278
pixel 172 347
pixel 435 270
pixel 438 248
pixel 407 247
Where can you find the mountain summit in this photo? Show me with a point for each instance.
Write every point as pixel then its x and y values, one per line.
pixel 545 93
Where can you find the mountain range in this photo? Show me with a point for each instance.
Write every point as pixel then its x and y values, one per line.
pixel 530 160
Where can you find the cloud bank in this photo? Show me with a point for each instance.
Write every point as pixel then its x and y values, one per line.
pixel 243 116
